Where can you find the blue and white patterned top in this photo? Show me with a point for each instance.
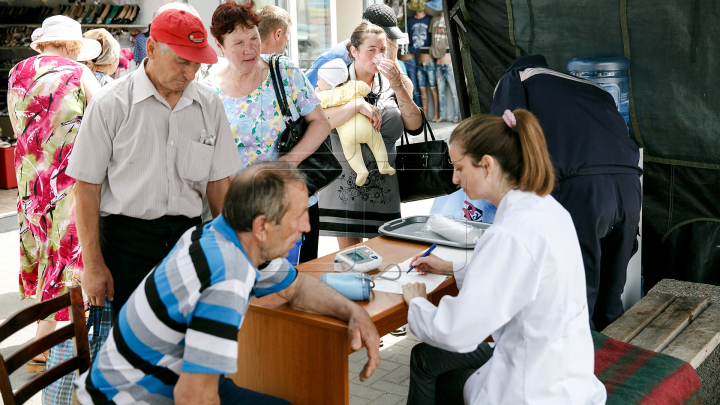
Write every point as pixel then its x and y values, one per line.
pixel 256 120
pixel 184 317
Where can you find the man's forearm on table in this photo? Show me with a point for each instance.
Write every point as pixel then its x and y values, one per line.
pixel 318 297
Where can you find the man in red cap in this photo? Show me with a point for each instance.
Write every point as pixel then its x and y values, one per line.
pixel 151 146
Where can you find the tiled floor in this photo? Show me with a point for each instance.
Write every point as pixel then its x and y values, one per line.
pixel 8 201
pixel 10 303
pixel 389 384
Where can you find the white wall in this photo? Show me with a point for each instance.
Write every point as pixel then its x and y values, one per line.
pixel 348 16
pixel 206 8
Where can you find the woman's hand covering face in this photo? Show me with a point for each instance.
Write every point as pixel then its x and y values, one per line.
pixel 392 72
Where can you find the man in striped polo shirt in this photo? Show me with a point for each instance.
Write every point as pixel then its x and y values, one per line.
pixel 177 334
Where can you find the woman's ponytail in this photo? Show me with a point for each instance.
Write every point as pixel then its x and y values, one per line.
pixel 537 170
pixel 522 155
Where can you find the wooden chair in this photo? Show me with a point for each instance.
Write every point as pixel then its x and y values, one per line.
pixel 77 330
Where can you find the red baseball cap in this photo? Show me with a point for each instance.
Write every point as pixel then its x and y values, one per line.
pixel 185 34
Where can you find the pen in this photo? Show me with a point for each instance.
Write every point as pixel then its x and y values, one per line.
pixel 427 252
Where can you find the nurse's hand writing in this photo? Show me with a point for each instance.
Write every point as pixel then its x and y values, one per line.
pixel 414 290
pixel 432 264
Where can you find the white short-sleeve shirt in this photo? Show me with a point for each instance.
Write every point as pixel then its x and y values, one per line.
pixel 149 157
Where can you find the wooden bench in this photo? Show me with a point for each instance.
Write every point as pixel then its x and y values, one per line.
pixel 687 328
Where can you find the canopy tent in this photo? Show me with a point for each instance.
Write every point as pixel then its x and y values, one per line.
pixel 674 101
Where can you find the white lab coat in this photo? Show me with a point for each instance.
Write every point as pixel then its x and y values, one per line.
pixel 525 285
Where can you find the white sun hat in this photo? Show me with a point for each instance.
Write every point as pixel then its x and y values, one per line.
pixel 61 28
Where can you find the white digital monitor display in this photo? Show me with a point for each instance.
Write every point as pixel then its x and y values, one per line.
pixel 356 257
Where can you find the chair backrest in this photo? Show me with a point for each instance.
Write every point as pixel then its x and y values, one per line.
pixel 77 330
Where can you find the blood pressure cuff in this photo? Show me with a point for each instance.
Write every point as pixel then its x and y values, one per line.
pixel 348 284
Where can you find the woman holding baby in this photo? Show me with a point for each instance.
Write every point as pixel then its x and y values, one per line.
pixel 350 211
pixel 244 86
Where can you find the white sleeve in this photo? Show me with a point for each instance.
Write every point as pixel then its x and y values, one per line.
pixel 459 271
pixel 500 279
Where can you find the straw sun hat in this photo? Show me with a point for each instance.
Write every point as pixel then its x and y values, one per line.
pixel 61 28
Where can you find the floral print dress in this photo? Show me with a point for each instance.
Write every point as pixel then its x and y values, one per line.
pixel 47 103
pixel 256 120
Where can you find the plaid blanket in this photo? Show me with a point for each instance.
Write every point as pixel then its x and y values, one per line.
pixel 637 376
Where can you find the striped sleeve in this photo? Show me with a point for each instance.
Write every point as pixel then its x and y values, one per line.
pixel 277 276
pixel 211 339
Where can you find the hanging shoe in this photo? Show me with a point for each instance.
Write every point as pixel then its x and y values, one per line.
pixel 135 14
pixel 112 14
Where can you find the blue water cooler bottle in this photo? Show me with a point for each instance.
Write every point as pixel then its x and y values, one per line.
pixel 611 73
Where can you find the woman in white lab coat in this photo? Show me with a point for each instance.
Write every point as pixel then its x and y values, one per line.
pixel 524 284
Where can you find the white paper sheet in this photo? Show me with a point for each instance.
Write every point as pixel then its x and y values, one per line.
pixel 432 281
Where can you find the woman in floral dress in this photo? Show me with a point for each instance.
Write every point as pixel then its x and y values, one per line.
pixel 245 88
pixel 47 96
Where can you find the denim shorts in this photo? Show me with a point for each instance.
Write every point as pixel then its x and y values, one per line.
pixel 426 74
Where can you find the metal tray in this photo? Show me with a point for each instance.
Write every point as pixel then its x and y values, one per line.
pixel 411 228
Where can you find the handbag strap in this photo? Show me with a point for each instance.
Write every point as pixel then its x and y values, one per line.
pixel 426 126
pixel 277 84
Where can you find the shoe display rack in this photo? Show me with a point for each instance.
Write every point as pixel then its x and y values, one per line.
pixel 18 22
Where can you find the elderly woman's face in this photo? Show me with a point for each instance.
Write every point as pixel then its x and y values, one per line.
pixel 371 46
pixel 242 48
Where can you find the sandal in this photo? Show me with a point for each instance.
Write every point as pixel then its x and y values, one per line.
pixel 401 331
pixel 37 364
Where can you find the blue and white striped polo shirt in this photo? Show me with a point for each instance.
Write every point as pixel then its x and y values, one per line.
pixel 184 317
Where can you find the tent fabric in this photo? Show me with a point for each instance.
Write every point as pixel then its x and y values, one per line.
pixel 681 224
pixel 675 101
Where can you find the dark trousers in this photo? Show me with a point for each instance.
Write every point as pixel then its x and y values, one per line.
pixel 132 247
pixel 309 250
pixel 231 394
pixel 606 211
pixel 437 376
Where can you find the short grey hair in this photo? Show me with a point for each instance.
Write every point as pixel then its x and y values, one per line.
pixel 162 47
pixel 260 190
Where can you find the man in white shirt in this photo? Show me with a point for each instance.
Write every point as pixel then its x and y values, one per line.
pixel 151 146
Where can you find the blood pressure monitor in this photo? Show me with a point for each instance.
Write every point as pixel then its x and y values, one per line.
pixel 360 259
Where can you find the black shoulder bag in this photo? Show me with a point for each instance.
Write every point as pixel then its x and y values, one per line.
pixel 321 168
pixel 424 169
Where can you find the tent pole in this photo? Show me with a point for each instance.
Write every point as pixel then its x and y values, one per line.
pixel 456 60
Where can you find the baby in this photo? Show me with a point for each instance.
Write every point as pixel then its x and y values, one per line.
pixel 358 129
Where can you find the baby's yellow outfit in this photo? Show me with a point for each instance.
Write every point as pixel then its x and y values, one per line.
pixel 357 130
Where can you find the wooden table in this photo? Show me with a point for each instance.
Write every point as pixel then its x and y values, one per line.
pixel 303 357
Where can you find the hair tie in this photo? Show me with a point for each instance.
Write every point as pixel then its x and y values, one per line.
pixel 509 119
pixel 37 34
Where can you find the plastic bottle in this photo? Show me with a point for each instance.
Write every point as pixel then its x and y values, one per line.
pixel 611 73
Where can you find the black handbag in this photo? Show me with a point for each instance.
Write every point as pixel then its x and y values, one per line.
pixel 424 169
pixel 321 168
